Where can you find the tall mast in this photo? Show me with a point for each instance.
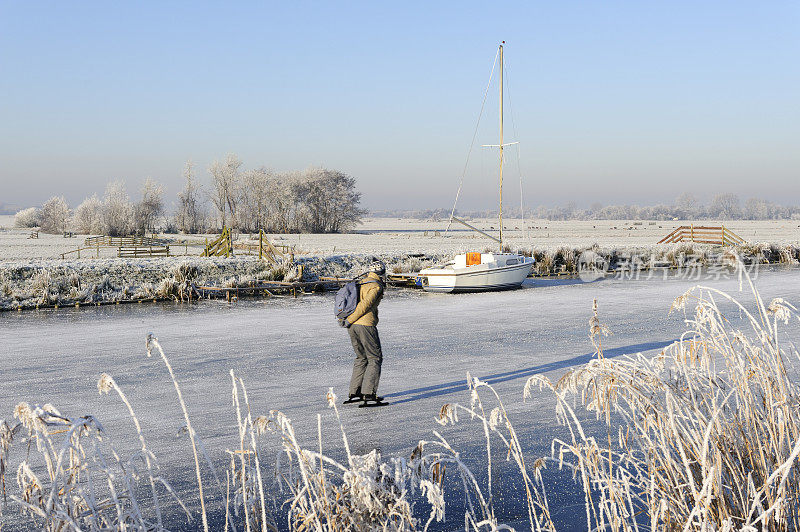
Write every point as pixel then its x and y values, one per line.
pixel 501 146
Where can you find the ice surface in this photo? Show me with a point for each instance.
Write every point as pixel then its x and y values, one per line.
pixel 289 351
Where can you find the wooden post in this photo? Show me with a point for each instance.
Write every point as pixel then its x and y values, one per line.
pixel 722 234
pixel 260 243
pixel 692 232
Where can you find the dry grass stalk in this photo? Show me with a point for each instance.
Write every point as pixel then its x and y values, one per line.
pixel 365 493
pixel 597 330
pixel 245 426
pixel 7 433
pixel 106 384
pixel 497 424
pixel 74 485
pixel 152 341
pixel 708 433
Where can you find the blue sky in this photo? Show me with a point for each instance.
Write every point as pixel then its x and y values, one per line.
pixel 612 101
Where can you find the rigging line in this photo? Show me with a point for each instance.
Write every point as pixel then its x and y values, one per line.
pixel 472 144
pixel 519 165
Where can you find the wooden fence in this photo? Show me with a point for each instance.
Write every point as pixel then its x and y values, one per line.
pixel 77 252
pixel 143 251
pixel 118 241
pixel 144 246
pixel 720 236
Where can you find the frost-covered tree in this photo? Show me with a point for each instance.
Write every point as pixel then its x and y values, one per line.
pixel 27 217
pixel 150 207
pixel 117 210
pixel 88 216
pixel 687 206
pixel 189 214
pixel 726 207
pixel 316 200
pixel 617 212
pixel 758 209
pixel 330 200
pixel 54 215
pixel 283 195
pixel 254 202
pixel 656 212
pixel 225 187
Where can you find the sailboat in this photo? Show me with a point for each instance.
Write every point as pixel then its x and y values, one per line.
pixel 475 271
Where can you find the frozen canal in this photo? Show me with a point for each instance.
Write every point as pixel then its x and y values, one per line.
pixel 289 351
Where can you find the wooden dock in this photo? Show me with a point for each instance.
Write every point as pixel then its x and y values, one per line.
pixel 270 288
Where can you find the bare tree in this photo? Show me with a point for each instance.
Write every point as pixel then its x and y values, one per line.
pixel 117 210
pixel 189 208
pixel 225 189
pixel 54 215
pixel 88 216
pixel 150 207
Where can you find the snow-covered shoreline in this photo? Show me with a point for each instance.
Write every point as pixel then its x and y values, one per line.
pixel 31 284
pixel 33 275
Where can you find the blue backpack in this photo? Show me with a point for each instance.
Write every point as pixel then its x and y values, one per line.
pixel 347 298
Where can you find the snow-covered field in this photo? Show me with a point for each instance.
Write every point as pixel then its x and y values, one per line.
pixel 290 351
pixel 392 236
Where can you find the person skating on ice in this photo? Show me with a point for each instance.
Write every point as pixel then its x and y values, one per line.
pixel 363 330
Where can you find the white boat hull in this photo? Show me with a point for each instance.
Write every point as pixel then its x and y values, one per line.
pixel 477 278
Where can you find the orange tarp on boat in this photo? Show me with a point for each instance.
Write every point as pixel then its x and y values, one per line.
pixel 473 258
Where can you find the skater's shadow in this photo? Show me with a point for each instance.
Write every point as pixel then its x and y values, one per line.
pixel 414 394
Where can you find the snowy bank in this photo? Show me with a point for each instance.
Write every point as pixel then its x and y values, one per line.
pixel 35 283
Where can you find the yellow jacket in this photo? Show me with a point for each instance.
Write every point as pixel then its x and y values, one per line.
pixel 369 297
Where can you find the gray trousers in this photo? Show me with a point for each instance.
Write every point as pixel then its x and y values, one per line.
pixel 367 367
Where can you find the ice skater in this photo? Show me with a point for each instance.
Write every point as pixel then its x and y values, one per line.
pixel 362 326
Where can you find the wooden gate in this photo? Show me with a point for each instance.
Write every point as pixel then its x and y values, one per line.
pixel 222 246
pixel 720 236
